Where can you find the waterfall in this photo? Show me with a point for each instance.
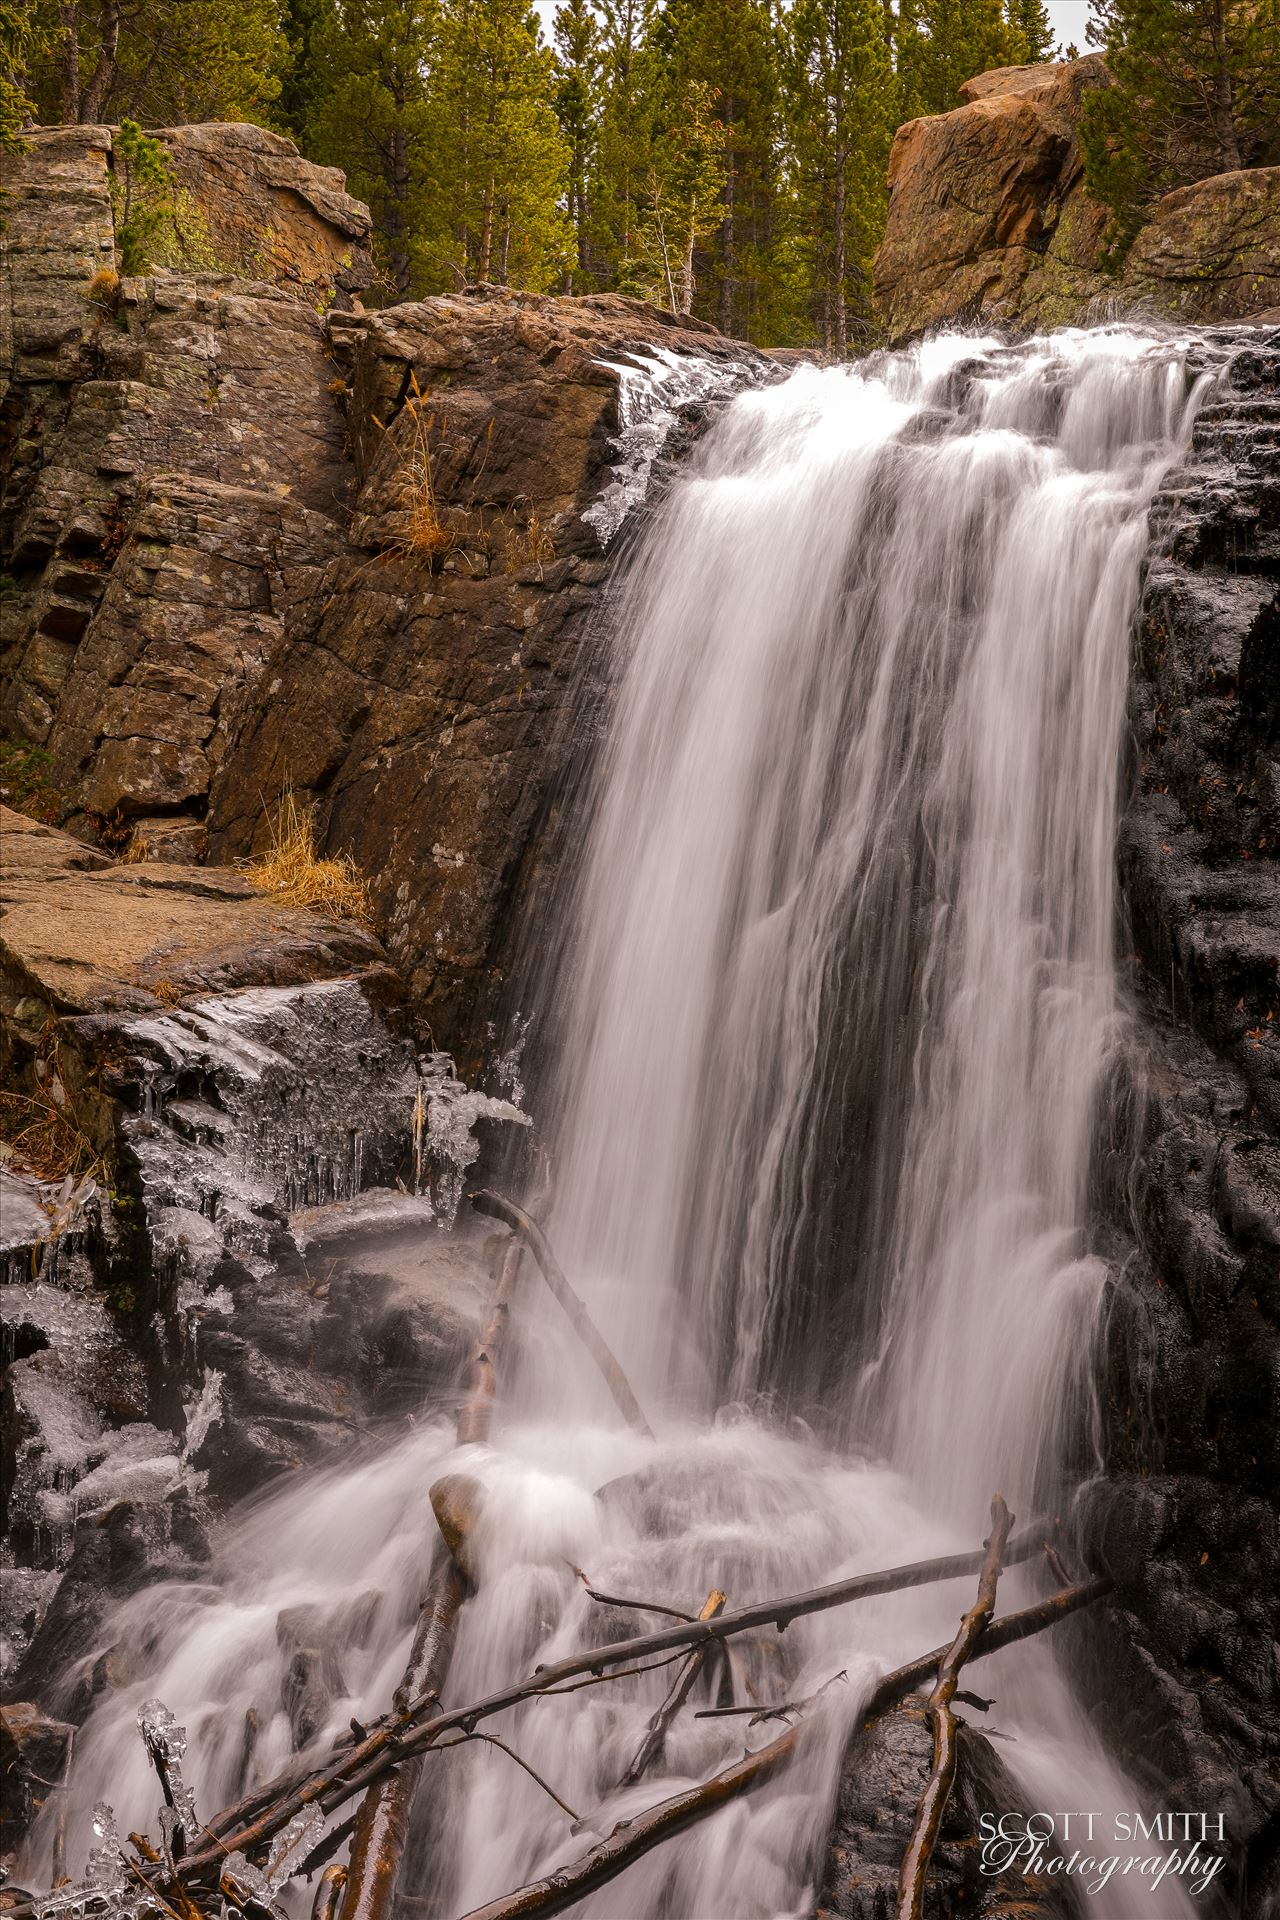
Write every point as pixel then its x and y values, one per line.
pixel 835 1004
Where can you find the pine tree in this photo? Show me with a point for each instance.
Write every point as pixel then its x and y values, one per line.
pixel 370 114
pixel 502 161
pixel 1197 92
pixel 21 43
pixel 1032 35
pixel 943 43
pixel 159 62
pixel 578 101
pixel 845 99
pixel 629 114
pixel 304 25
pixel 730 50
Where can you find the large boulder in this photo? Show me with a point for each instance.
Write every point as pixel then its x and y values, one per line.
pixel 987 197
pixel 989 221
pixel 268 213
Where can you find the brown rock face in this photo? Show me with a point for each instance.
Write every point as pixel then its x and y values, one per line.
pixel 258 539
pixel 426 692
pixel 979 201
pixel 989 221
pixel 80 933
pixel 270 214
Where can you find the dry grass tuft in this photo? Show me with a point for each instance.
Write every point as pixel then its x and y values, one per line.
pixel 294 873
pixel 103 287
pixel 40 1132
pixel 425 533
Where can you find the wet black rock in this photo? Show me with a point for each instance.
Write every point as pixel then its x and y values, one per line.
pixel 33 1752
pixel 886 1766
pixel 1188 1519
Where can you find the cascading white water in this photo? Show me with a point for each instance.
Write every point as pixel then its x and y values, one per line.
pixel 842 996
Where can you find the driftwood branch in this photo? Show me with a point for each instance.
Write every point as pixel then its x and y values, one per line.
pixel 521 1223
pixel 382 1824
pixel 329 1893
pixel 633 1838
pixel 637 1836
pixel 351 1770
pixel 655 1738
pixel 937 1791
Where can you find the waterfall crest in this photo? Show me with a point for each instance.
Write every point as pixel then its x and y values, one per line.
pixel 845 925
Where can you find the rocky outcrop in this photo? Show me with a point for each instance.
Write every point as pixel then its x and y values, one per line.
pixel 238 1272
pixel 268 213
pixel 253 546
pixel 989 222
pixel 1187 1518
pixel 174 466
pixel 432 699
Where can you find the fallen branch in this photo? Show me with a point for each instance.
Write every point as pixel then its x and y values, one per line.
pixel 681 1687
pixel 759 1714
pixel 498 1208
pixel 1005 1632
pixel 625 1602
pixel 937 1790
pixel 633 1838
pixel 351 1770
pixel 382 1824
pixel 329 1893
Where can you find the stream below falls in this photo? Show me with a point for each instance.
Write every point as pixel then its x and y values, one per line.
pixel 834 1000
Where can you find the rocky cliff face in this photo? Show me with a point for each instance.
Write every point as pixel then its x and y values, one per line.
pixel 989 222
pixel 1187 1518
pixel 252 544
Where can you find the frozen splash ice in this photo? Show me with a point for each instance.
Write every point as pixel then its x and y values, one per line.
pixel 444 1140
pixel 653 390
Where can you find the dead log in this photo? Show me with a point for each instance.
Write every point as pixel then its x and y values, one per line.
pixel 382 1824
pixel 476 1416
pixel 350 1770
pixel 942 1721
pixel 633 1838
pixel 498 1208
pixel 681 1687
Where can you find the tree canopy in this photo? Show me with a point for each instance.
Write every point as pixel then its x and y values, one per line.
pixel 1197 93
pixel 723 157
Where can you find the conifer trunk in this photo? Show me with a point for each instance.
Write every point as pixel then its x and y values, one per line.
pixel 841 261
pixel 398 211
pixel 486 234
pixel 1224 126
pixel 686 271
pixel 104 73
pixel 69 61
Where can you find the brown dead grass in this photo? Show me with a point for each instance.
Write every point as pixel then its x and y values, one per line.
pixel 293 872
pixel 103 287
pixel 41 1131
